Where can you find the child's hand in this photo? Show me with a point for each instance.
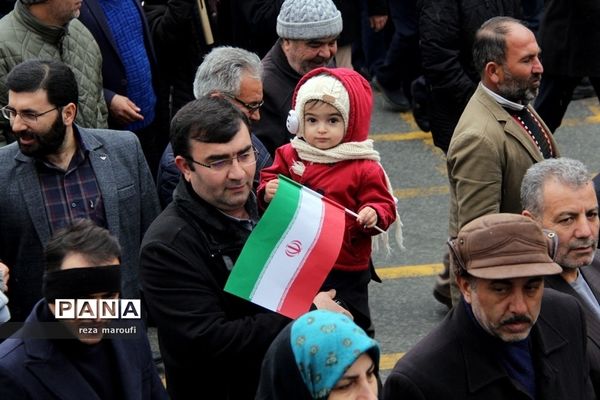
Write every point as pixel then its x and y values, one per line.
pixel 367 217
pixel 270 189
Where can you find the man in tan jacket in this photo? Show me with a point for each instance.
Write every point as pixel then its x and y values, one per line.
pixel 499 135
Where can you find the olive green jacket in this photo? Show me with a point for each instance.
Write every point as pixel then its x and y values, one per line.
pixel 488 156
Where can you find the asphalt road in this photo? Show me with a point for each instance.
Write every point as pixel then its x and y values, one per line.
pixel 403 307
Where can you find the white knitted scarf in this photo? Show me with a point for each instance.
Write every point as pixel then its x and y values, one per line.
pixel 348 151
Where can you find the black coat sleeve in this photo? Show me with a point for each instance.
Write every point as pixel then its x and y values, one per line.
pixel 441 46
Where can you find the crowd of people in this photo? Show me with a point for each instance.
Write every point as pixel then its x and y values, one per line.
pixel 143 141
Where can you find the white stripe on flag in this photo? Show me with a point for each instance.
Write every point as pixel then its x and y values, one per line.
pixel 281 268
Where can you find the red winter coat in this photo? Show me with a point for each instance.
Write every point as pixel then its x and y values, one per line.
pixel 354 184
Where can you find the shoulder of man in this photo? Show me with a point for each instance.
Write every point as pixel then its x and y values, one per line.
pixel 9 150
pixel 560 310
pixel 76 28
pixel 12 353
pixel 556 298
pixel 8 20
pixel 108 137
pixel 480 120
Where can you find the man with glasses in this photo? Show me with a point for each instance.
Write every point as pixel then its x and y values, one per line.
pixel 208 336
pixel 56 172
pixel 234 74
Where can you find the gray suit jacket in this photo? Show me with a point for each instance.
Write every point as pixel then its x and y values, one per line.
pixel 591 275
pixel 130 204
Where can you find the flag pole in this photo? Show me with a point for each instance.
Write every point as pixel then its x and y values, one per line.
pixel 356 215
pixel 319 195
pixel 204 21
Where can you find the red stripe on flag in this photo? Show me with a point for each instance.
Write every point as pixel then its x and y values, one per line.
pixel 319 262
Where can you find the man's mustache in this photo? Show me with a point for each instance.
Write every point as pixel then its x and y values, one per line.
pixel 578 243
pixel 516 319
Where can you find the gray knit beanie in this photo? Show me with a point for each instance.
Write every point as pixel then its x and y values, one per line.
pixel 308 19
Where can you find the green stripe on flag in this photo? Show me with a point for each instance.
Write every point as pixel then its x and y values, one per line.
pixel 264 239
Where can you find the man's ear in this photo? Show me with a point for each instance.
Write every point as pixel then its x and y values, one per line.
pixel 527 214
pixel 69 112
pixel 285 45
pixel 494 72
pixel 184 167
pixel 464 284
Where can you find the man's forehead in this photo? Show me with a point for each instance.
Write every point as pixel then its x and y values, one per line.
pixel 28 99
pixel 556 192
pixel 251 86
pixel 519 39
pixel 80 260
pixel 316 41
pixel 238 143
pixel 512 281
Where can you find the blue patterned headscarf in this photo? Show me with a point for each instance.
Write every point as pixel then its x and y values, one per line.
pixel 325 344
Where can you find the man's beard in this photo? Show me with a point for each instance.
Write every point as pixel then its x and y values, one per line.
pixel 309 65
pixel 518 90
pixel 46 144
pixel 565 261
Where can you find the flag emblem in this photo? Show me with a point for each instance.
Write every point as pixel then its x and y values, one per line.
pixel 293 248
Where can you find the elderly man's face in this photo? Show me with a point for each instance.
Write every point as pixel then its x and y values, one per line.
pixel 306 55
pixel 521 72
pixel 251 94
pixel 571 212
pixel 505 308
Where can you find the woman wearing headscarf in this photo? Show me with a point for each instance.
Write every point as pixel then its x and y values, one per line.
pixel 321 355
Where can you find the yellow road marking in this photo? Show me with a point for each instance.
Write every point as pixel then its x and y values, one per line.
pixel 387 361
pixel 595 118
pixel 409 119
pixel 410 193
pixel 409 271
pixel 397 136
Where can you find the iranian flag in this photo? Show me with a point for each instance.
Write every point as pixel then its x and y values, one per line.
pixel 290 251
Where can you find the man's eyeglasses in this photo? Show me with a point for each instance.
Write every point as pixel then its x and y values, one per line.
pixel 251 107
pixel 247 158
pixel 28 116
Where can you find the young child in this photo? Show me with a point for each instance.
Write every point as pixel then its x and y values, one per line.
pixel 332 155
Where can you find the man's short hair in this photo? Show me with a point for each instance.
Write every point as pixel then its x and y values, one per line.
pixel 490 41
pixel 567 171
pixel 93 242
pixel 223 69
pixel 209 119
pixel 55 77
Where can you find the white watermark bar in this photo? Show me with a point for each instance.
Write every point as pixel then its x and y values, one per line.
pixel 97 309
